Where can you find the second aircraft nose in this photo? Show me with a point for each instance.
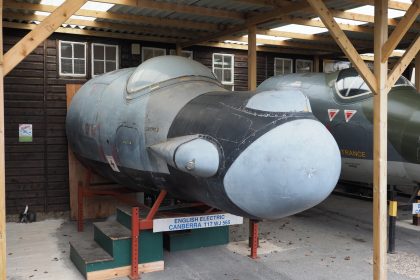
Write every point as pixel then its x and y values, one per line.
pixel 287 170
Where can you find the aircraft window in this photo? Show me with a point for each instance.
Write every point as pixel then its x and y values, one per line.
pixel 349 84
pixel 402 81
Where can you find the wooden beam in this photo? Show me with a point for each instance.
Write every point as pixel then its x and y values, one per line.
pixel 310 37
pixel 178 8
pixel 156 21
pixel 276 49
pixel 401 29
pixel 318 23
pixel 251 21
pixel 396 5
pixel 344 43
pixel 417 74
pixel 286 43
pixel 28 43
pixel 252 58
pixel 403 62
pixel 94 33
pixel 267 3
pixel 365 18
pixel 380 139
pixel 115 27
pixel 3 251
pixel 344 27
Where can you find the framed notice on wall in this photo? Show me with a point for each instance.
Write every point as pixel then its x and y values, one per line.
pixel 25 132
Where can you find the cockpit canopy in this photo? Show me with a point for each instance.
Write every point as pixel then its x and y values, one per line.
pixel 349 84
pixel 159 69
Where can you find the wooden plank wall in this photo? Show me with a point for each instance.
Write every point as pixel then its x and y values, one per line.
pixel 37 172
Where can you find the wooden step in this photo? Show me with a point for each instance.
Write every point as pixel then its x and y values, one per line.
pixel 124 216
pixel 106 234
pixel 115 239
pixel 87 253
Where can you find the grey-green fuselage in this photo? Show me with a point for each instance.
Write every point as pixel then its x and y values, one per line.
pixel 354 132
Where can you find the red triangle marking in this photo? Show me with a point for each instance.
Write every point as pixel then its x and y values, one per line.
pixel 332 113
pixel 348 114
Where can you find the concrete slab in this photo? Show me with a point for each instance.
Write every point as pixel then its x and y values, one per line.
pixel 330 241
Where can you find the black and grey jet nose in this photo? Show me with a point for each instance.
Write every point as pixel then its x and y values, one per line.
pixel 287 170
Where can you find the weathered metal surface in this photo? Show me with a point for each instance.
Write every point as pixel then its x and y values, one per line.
pixel 190 136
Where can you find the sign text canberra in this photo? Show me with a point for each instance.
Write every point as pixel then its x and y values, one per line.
pixel 193 222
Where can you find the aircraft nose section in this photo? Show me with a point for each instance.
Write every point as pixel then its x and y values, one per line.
pixel 289 169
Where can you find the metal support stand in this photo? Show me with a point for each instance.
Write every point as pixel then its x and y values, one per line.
pixel 253 226
pixel 393 205
pixel 135 235
pixel 137 225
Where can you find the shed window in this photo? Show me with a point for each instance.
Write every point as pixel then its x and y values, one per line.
pixel 104 58
pixel 186 54
pixel 147 53
pixel 283 66
pixel 304 66
pixel 72 58
pixel 223 68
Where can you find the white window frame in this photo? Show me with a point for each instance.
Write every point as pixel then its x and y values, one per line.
pixel 305 60
pixel 276 59
pixel 117 58
pixel 232 83
pixel 152 49
pixel 72 58
pixel 190 53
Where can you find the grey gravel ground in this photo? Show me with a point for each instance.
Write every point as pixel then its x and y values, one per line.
pixel 330 241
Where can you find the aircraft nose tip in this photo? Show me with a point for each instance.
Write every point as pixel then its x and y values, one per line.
pixel 287 170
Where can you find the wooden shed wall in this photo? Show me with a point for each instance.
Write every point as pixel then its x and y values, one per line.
pixel 37 172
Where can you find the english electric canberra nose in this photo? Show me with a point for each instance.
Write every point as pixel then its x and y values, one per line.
pixel 170 124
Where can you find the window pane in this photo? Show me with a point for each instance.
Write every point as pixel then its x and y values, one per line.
pixel 98 52
pixel 79 51
pixel 147 53
pixel 98 67
pixel 159 52
pixel 66 50
pixel 217 61
pixel 303 66
pixel 79 66
pixel 66 66
pixel 218 73
pixel 287 68
pixel 227 75
pixel 111 53
pixel 278 70
pixel 227 59
pixel 110 66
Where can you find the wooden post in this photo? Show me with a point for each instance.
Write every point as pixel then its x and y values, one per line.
pixel 252 58
pixel 380 136
pixel 2 167
pixel 316 64
pixel 417 77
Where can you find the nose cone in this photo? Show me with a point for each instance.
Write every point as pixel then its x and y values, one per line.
pixel 289 169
